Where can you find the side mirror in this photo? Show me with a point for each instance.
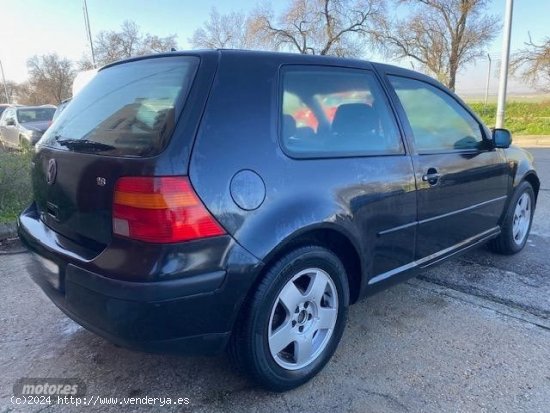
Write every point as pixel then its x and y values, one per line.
pixel 10 122
pixel 502 138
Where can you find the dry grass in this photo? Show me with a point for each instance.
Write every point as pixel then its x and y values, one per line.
pixel 15 183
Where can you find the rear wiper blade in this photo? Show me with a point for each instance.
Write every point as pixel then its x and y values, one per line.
pixel 85 144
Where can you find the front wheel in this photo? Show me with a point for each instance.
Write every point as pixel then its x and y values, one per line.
pixel 294 321
pixel 517 222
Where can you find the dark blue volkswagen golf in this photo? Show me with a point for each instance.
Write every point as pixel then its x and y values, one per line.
pixel 213 200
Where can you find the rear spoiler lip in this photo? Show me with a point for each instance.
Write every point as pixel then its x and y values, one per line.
pixel 195 53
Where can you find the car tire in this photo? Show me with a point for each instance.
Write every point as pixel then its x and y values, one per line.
pixel 517 222
pixel 312 281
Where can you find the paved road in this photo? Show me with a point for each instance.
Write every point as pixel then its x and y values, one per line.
pixel 470 335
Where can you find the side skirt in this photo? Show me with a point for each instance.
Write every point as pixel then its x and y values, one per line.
pixel 382 281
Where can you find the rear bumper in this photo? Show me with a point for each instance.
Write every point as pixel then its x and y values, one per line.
pixel 190 314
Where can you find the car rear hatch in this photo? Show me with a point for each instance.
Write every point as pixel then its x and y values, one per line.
pixel 135 118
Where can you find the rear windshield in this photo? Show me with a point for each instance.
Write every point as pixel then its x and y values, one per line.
pixel 126 110
pixel 35 115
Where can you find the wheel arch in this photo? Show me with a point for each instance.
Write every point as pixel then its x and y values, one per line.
pixel 331 237
pixel 534 180
pixel 523 168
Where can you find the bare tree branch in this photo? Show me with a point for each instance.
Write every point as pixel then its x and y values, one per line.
pixel 225 31
pixel 336 27
pixel 50 80
pixel 111 46
pixel 532 63
pixel 442 35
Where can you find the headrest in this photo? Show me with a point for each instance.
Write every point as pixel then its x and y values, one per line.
pixel 353 118
pixel 289 126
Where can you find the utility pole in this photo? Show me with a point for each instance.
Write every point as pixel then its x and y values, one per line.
pixel 501 106
pixel 487 84
pixel 5 85
pixel 88 31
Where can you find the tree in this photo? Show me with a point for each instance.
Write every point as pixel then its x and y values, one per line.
pixel 50 80
pixel 532 63
pixel 13 91
pixel 442 35
pixel 110 46
pixel 225 31
pixel 323 27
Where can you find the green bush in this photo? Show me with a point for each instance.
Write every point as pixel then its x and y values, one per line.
pixel 15 183
pixel 522 118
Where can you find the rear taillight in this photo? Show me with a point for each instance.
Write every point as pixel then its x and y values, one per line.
pixel 161 209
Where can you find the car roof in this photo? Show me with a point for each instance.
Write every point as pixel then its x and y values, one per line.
pixel 283 57
pixel 290 58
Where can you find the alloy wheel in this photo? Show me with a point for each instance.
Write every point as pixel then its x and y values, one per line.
pixel 302 319
pixel 521 219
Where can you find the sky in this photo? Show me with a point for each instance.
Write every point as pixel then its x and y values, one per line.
pixel 30 27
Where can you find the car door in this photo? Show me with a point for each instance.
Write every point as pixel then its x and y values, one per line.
pixel 9 132
pixel 461 178
pixel 5 128
pixel 3 123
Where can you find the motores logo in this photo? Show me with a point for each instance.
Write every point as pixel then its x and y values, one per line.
pixel 49 387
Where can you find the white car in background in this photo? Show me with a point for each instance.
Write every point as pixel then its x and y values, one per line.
pixel 82 79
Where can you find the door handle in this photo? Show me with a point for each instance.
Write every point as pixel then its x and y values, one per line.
pixel 432 177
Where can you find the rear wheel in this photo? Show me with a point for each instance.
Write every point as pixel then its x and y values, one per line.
pixel 294 321
pixel 517 223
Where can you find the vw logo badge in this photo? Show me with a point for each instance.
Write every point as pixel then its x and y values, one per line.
pixel 52 172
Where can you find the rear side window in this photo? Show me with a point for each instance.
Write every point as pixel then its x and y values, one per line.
pixel 332 112
pixel 126 110
pixel 438 121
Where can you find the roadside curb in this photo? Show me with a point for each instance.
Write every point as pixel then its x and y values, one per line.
pixel 532 141
pixel 8 230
